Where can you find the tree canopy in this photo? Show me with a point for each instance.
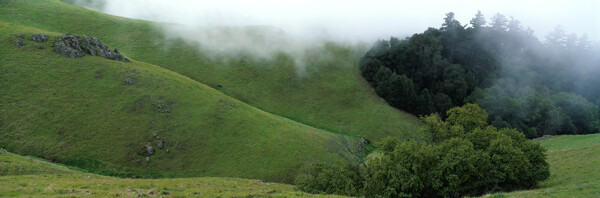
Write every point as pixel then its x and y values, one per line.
pixel 460 156
pixel 537 87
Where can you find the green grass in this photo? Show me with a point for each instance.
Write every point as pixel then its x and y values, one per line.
pixel 264 121
pixel 330 94
pixel 574 167
pixel 82 113
pixel 25 177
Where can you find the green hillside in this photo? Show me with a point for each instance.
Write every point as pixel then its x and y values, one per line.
pixel 330 94
pixel 573 166
pixel 25 177
pixel 572 160
pixel 81 112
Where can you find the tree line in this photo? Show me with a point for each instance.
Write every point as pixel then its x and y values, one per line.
pixel 539 88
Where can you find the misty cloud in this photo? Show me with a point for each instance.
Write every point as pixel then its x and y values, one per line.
pixel 267 27
pixel 362 20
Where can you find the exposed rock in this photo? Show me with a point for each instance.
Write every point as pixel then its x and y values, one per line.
pixel 147 159
pixel 159 145
pixel 39 37
pixel 19 40
pixel 129 80
pixel 64 49
pixel 75 46
pixel 149 150
pixel 162 108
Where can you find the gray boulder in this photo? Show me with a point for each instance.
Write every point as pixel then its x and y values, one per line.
pixel 149 150
pixel 159 144
pixel 147 159
pixel 64 49
pixel 75 46
pixel 19 40
pixel 39 37
pixel 129 80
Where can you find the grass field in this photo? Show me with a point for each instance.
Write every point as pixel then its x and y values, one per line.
pixel 574 167
pixel 82 113
pixel 573 163
pixel 242 117
pixel 330 94
pixel 26 176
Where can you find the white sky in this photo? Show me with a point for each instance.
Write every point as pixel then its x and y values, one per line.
pixel 363 20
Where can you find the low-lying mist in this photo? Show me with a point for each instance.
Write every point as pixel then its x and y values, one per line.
pixel 265 28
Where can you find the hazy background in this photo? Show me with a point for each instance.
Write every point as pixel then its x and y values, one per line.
pixel 353 20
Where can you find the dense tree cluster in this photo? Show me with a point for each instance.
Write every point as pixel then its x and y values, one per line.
pixel 538 88
pixel 461 156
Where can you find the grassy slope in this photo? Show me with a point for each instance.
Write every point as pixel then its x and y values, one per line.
pixel 574 165
pixel 330 95
pixel 25 177
pixel 82 113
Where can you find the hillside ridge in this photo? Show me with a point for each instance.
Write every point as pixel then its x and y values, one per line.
pixel 125 119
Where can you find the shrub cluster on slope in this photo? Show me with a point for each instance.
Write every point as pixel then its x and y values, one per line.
pixel 462 156
pixel 538 88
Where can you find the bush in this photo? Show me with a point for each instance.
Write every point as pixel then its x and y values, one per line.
pixel 324 178
pixel 464 156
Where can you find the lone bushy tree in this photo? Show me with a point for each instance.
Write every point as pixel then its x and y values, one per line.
pixel 463 156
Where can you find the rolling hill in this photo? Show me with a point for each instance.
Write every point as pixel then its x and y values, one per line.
pixel 573 166
pixel 83 113
pixel 26 176
pixel 245 117
pixel 330 94
pixel 572 160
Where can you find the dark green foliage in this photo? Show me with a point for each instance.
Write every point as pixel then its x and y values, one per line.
pixel 463 157
pixel 324 178
pixel 403 171
pixel 464 170
pixel 583 113
pixel 470 116
pixel 502 67
pixel 537 112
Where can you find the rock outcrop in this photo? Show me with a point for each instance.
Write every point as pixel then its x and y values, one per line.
pixel 149 149
pixel 159 144
pixel 76 46
pixel 19 40
pixel 129 80
pixel 39 37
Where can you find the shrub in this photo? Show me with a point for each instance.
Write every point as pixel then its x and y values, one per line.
pixel 324 178
pixel 457 160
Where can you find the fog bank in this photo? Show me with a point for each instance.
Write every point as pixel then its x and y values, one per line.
pixel 357 20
